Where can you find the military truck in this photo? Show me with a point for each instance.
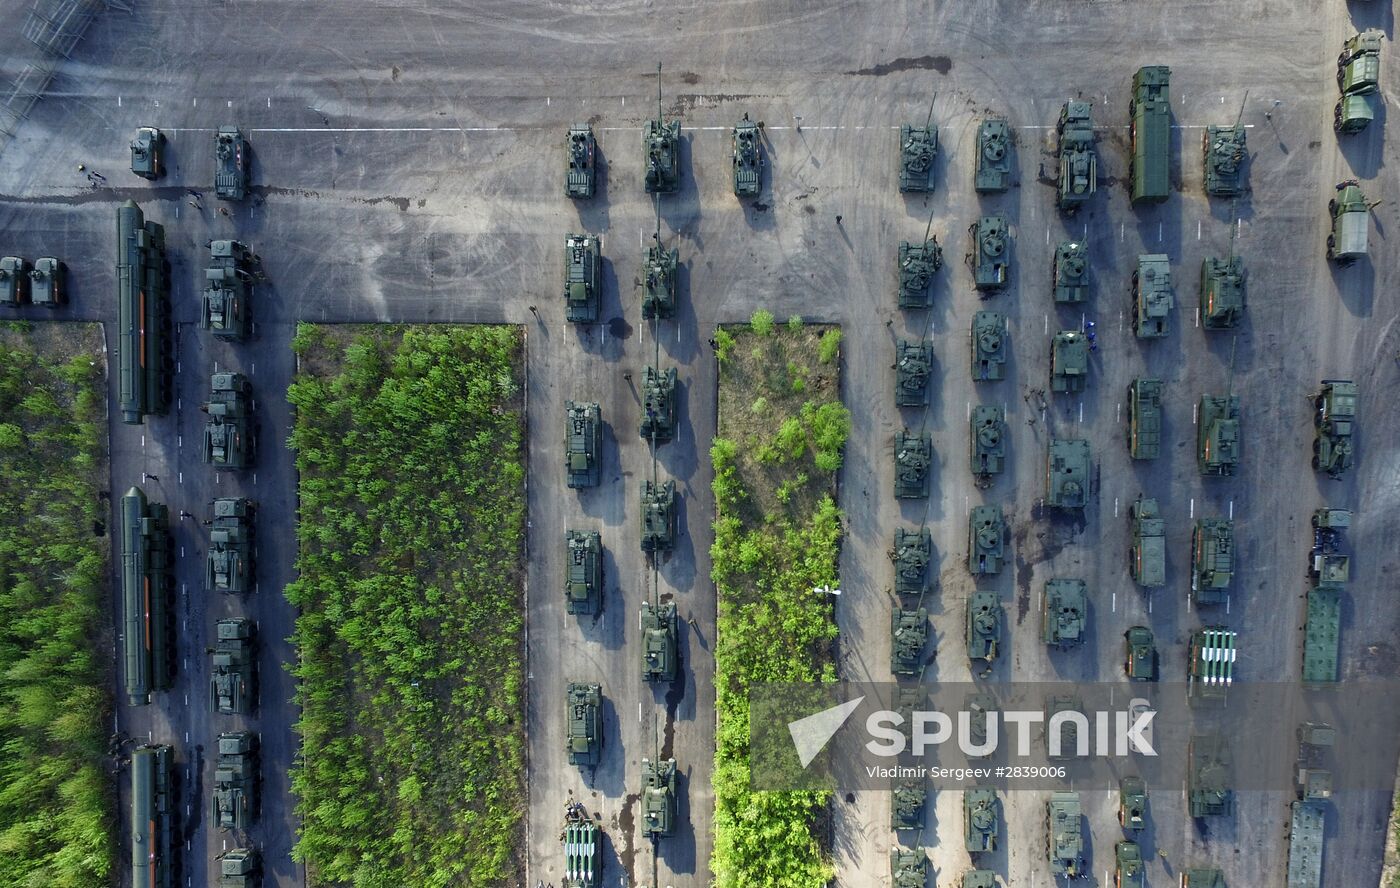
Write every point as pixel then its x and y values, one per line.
pixel 581 287
pixel 1314 782
pixel 908 634
pixel 1223 151
pixel 659 627
pixel 1328 565
pixel 1212 559
pixel 230 164
pixel 908 868
pixel 48 282
pixel 659 297
pixel 992 172
pixel 1067 466
pixel 1070 273
pixel 1358 80
pixel 1144 418
pixel 147 627
pixel 1139 654
pixel 989 257
pixel 1202 877
pixel 1062 737
pixel 239 868
pixel 1063 612
pixel 747 158
pixel 1322 634
pixel 979 878
pixel 145 344
pixel 583 590
pixel 913 363
pixel 1306 830
pixel 583 712
pixel 581 440
pixel 988 346
pixel 913 453
pixel 1208 791
pixel 658 423
pixel 1351 223
pixel 985 530
pixel 917 264
pixel 14 281
pixel 229 565
pixel 1149 154
pixel 983 635
pixel 148 153
pixel 987 442
pixel 581 176
pixel 235 798
pixel 913 549
pixel 1335 415
pixel 1063 842
pixel 583 850
pixel 1078 162
pixel 229 439
pixel 1147 560
pixel 1132 803
pixel 658 798
pixel 1218 443
pixel 907 805
pixel 1152 296
pixel 660 140
pixel 1130 871
pixel 658 517
pixel 1210 664
pixel 1222 292
pixel 980 820
pixel 233 670
pixel 155 827
pixel 1069 361
pixel 224 306
pixel 918 146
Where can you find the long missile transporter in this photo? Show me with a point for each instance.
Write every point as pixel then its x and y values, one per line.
pixel 912 366
pixel 917 265
pixel 581 439
pixel 1067 465
pixel 747 158
pixel 983 631
pixel 1078 162
pixel 583 590
pixel 1147 560
pixel 1223 151
pixel 234 802
pixel 229 566
pixel 1132 803
pixel 239 868
pixel 658 405
pixel 989 258
pixel 224 306
pixel 985 530
pixel 1063 843
pixel 1145 418
pixel 1139 654
pixel 913 549
pixel 1222 292
pixel 14 281
pixel 1064 611
pixel 1358 81
pixel 908 634
pixel 980 820
pixel 1070 274
pixel 1069 361
pixel 660 140
pixel 1149 157
pixel 908 868
pixel 659 626
pixel 229 439
pixel 988 346
pixel 1351 223
pixel 918 146
pixel 583 850
pixel 144 352
pixel 581 289
pixel 1152 296
pixel 147 648
pixel 659 297
pixel 1208 789
pixel 658 517
pixel 987 447
pixel 1333 419
pixel 581 177
pixel 233 668
pixel 148 153
pixel 913 454
pixel 1218 443
pixel 658 798
pixel 584 714
pixel 154 838
pixel 230 164
pixel 992 172
pixel 1212 559
pixel 907 805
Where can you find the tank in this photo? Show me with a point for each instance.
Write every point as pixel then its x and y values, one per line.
pixel 977 706
pixel 583 712
pixel 658 423
pixel 1335 416
pixel 583 590
pixel 907 805
pixel 988 346
pixel 1063 842
pixel 990 255
pixel 1069 361
pixel 913 453
pixel 1067 466
pixel 229 565
pixel 1064 612
pixel 147 646
pixel 229 432
pixel 583 850
pixel 918 146
pixel 1218 443
pixel 581 176
pixel 1202 877
pixel 1132 803
pixel 908 634
pixel 985 532
pixel 659 296
pixel 1222 292
pixel 1147 560
pixel 659 140
pixel 154 839
pixel 227 287
pixel 230 164
pixel 658 798
pixel 979 878
pixel 1145 418
pixel 1223 153
pixel 1065 732
pixel 658 625
pixel 48 283
pixel 913 549
pixel 1130 871
pixel 1149 154
pixel 987 435
pixel 581 287
pixel 1210 665
pixel 14 281
pixel 1139 654
pixel 748 159
pixel 1078 163
pixel 1351 223
pixel 148 153
pixel 917 265
pixel 1306 830
pixel 908 868
pixel 239 868
pixel 1208 789
pixel 980 820
pixel 984 618
pixel 1071 273
pixel 232 670
pixel 144 354
pixel 658 516
pixel 1152 296
pixel 992 173
pixel 234 803
pixel 913 363
pixel 1212 559
pixel 581 439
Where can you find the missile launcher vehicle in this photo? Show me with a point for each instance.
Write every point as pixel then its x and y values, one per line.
pixel 584 714
pixel 583 590
pixel 1078 162
pixel 581 175
pixel 1218 441
pixel 581 440
pixel 582 297
pixel 658 798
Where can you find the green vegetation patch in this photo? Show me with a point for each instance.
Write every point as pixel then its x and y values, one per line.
pixel 409 443
pixel 57 816
pixel 782 429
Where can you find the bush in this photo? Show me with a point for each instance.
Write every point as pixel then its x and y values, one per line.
pixel 795 324
pixel 830 346
pixel 761 322
pixel 723 343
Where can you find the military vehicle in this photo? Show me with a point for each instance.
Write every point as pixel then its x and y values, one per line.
pixel 229 566
pixel 148 153
pixel 581 178
pixel 918 146
pixel 988 346
pixel 1069 361
pixel 908 868
pixel 1328 565
pixel 581 287
pixel 987 435
pixel 1064 612
pixel 1306 829
pixel 581 440
pixel 48 282
pixel 659 624
pixel 1351 223
pixel 1132 803
pixel 1067 466
pixel 144 353
pixel 1063 744
pixel 1335 413
pixel 1152 296
pixel 658 517
pixel 1078 162
pixel 1218 444
pixel 1210 664
pixel 1202 877
pixel 913 549
pixel 907 805
pixel 1222 154
pixel 913 453
pixel 1314 782
pixel 917 264
pixel 979 878
pixel 908 633
pixel 980 820
pixel 230 164
pixel 232 672
pixel 1149 155
pixel 1139 654
pixel 1358 80
pixel 235 798
pixel 239 868
pixel 985 530
pixel 14 281
pixel 230 441
pixel 1208 791
pixel 661 142
pixel 658 423
pixel 583 590
pixel 1070 274
pixel 913 363
pixel 1063 842
pixel 1322 634
pixel 748 159
pixel 659 297
pixel 584 716
pixel 1147 560
pixel 1354 112
pixel 983 634
pixel 1212 559
pixel 1130 871
pixel 155 838
pixel 583 850
pixel 658 798
pixel 992 173
pixel 990 256
pixel 977 706
pixel 147 648
pixel 1145 418
pixel 227 287
pixel 1222 292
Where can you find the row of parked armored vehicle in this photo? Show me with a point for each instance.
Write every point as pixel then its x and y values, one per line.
pixel 44 283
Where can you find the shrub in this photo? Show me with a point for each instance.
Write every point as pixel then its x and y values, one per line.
pixel 830 346
pixel 761 322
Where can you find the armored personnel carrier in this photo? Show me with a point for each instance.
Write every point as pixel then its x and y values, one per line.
pixel 1064 611
pixel 1069 361
pixel 908 633
pixel 148 153
pixel 230 164
pixel 918 146
pixel 659 625
pixel 917 264
pixel 229 566
pixel 48 283
pixel 232 673
pixel 584 714
pixel 1152 296
pixel 1208 789
pixel 239 868
pixel 1351 223
pixel 583 850
pixel 1071 273
pixel 979 878
pixel 14 281
pixel 1129 872
pixel 913 549
pixel 659 297
pixel 1202 877
pixel 1144 418
pixel 992 173
pixel 1147 560
pixel 1218 443
pixel 583 590
pixel 1078 162
pixel 1132 803
pixel 913 363
pixel 990 256
pixel 980 820
pixel 1067 465
pixel 913 453
pixel 1222 154
pixel 908 868
pixel 235 797
pixel 1212 559
pixel 1139 654
pixel 988 346
pixel 907 805
pixel 987 428
pixel 581 176
pixel 581 439
pixel 229 442
pixel 1063 842
pixel 1358 80
pixel 658 405
pixel 747 158
pixel 658 517
pixel 658 798
pixel 581 289
pixel 1335 415
pixel 983 634
pixel 1210 662
pixel 985 530
pixel 1222 292
pixel 224 306
pixel 660 140
pixel 1062 738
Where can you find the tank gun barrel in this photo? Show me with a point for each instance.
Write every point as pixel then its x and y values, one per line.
pixel 929 119
pixel 1240 116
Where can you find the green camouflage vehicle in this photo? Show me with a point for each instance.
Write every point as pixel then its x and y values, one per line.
pixel 1351 223
pixel 1328 565
pixel 1313 782
pixel 913 453
pixel 992 173
pixel 907 805
pixel 584 715
pixel 660 140
pixel 917 265
pixel 155 826
pixel 977 706
pixel 233 670
pixel 908 634
pixel 1064 746
pixel 1306 830
pixel 1222 292
pixel 1064 611
pixel 908 869
pixel 1354 113
pixel 48 283
pixel 583 590
pixel 980 820
pixel 1202 877
pixel 1208 778
pixel 1132 803
pixel 658 517
pixel 1063 842
pixel 224 306
pixel 1149 136
pixel 980 878
pixel 1218 444
pixel 148 153
pixel 1152 296
pixel 1130 872
pixel 658 798
pixel 1071 273
pixel 1147 560
pixel 229 439
pixel 1335 406
pixel 1223 152
pixel 235 798
pixel 1068 462
pixel 1358 80
pixel 229 565
pixel 659 628
pixel 1069 361
pixel 990 257
pixel 748 159
pixel 1210 664
pixel 918 146
pixel 1145 418
pixel 239 868
pixel 1139 654
pixel 581 289
pixel 1078 162
pixel 985 530
pixel 659 298
pixel 987 451
pixel 983 635
pixel 230 164
pixel 1212 559
pixel 14 281
pixel 581 440
pixel 583 850
pixel 146 582
pixel 581 177
pixel 988 346
pixel 913 363
pixel 658 423
pixel 913 549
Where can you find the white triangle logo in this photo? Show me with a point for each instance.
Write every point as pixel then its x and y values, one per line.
pixel 811 734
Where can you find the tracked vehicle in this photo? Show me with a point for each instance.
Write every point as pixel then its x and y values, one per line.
pixel 907 805
pixel 1147 560
pixel 658 423
pixel 1152 296
pixel 992 173
pixel 1064 612
pixel 658 517
pixel 660 140
pixel 1212 559
pixel 980 820
pixel 581 290
pixel 917 265
pixel 985 530
pixel 232 672
pixel 581 175
pixel 581 439
pixel 983 633
pixel 1222 292
pixel 987 428
pixel 918 146
pixel 658 798
pixel 913 454
pixel 913 550
pixel 583 590
pixel 1145 418
pixel 1069 362
pixel 1208 789
pixel 988 346
pixel 1218 441
pixel 913 364
pixel 659 297
pixel 148 153
pixel 583 711
pixel 908 868
pixel 1067 465
pixel 747 159
pixel 990 256
pixel 1078 162
pixel 1223 152
pixel 1071 273
pixel 1132 803
pixel 659 628
pixel 1063 842
pixel 908 634
pixel 229 565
